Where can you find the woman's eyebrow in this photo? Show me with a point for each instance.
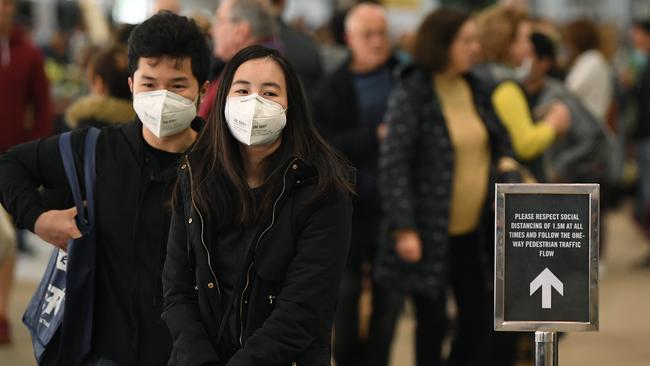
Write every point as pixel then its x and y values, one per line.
pixel 272 84
pixel 241 82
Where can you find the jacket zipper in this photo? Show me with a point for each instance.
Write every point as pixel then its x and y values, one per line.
pixel 241 300
pixel 205 247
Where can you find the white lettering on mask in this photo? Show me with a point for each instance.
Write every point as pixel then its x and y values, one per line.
pixel 254 120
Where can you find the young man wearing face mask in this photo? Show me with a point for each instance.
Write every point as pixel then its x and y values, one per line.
pixel 136 169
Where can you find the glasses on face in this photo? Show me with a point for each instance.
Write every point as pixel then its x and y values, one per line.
pixel 224 20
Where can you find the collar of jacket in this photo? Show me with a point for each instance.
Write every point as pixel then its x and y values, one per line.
pixel 133 133
pixel 107 109
pixel 300 171
pixel 419 81
pixel 343 72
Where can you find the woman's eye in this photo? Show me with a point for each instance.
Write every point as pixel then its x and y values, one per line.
pixel 241 91
pixel 270 94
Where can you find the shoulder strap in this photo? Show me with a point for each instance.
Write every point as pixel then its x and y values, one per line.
pixel 90 173
pixel 84 217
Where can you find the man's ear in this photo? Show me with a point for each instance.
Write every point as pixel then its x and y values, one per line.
pixel 131 84
pixel 204 88
pixel 245 32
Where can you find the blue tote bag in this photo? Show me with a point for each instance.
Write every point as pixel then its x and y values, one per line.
pixel 59 315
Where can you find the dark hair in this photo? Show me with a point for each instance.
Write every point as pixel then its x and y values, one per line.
pixel 545 50
pixel 642 24
pixel 170 35
pixel 582 35
pixel 435 37
pixel 122 33
pixel 111 66
pixel 219 178
pixel 543 45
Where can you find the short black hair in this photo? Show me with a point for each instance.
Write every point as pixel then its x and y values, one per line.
pixel 170 35
pixel 543 45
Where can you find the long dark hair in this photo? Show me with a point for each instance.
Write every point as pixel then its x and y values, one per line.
pixel 219 181
pixel 435 36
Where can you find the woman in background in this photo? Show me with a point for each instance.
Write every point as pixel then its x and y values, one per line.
pixel 506 50
pixel 590 76
pixel 437 167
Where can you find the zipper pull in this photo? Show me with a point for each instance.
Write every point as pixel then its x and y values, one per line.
pixel 272 299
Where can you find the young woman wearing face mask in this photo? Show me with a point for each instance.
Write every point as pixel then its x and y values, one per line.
pixel 260 228
pixel 437 165
pixel 506 50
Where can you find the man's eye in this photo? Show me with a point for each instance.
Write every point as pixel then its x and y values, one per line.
pixel 147 85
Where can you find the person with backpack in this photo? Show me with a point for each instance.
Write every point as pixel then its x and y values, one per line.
pixel 579 156
pixel 168 61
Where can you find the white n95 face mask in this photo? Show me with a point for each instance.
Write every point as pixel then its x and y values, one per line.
pixel 164 113
pixel 253 120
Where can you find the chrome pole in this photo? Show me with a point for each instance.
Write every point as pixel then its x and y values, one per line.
pixel 546 349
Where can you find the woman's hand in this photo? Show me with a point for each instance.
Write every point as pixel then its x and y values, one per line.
pixel 408 245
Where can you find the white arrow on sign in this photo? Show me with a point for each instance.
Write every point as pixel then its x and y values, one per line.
pixel 546 280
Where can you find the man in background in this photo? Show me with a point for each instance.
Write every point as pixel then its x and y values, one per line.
pixel 238 24
pixel 301 50
pixel 349 108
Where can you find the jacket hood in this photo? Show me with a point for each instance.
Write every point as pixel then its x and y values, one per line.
pixel 107 109
pixel 419 81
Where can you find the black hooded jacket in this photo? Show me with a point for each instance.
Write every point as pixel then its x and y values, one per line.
pixel 132 219
pixel 287 287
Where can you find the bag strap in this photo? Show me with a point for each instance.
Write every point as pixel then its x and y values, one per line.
pixel 85 218
pixel 90 173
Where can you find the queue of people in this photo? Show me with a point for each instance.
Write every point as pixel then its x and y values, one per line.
pixel 246 202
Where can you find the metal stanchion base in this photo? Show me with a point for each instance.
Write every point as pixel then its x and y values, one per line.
pixel 546 349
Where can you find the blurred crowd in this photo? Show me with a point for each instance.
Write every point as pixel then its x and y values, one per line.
pixel 430 120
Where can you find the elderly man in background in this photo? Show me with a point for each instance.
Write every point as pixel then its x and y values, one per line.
pixel 349 107
pixel 301 50
pixel 237 25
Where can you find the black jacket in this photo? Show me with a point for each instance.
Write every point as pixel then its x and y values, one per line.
pixel 131 224
pixel 642 96
pixel 303 54
pixel 415 181
pixel 287 290
pixel 338 115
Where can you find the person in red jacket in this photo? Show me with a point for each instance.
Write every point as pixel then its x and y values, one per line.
pixel 26 114
pixel 24 90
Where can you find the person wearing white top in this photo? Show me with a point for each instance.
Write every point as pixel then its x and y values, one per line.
pixel 590 75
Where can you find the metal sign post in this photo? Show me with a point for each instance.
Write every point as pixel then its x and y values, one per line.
pixel 546 262
pixel 546 349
